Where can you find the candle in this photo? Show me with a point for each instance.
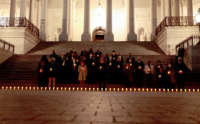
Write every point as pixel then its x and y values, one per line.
pixel 140 67
pixel 41 70
pixel 180 72
pixel 159 76
pixel 93 64
pixel 118 66
pixel 110 64
pixel 100 67
pixel 51 69
pixel 169 72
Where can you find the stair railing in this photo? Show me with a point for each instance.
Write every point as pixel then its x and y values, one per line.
pixel 175 21
pixel 191 41
pixel 19 22
pixel 7 46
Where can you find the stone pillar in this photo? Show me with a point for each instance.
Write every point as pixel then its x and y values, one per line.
pixel 12 12
pixel 64 36
pixel 170 7
pixel 189 8
pixel 190 11
pixel 154 18
pixel 43 20
pixel 109 35
pixel 177 8
pixel 30 11
pixel 86 34
pixel 22 8
pixel 132 35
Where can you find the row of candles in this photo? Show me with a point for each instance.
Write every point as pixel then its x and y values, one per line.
pixel 97 89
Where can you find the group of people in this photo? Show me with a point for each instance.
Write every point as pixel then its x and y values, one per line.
pixel 95 67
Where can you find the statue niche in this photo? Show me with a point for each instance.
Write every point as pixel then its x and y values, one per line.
pixel 98 34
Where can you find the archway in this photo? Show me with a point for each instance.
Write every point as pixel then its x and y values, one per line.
pixel 98 34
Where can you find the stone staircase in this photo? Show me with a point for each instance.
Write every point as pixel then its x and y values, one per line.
pixel 23 67
pixel 136 48
pixel 20 67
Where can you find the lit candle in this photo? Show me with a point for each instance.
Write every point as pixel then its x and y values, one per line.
pixel 100 67
pixel 41 70
pixel 51 69
pixel 118 66
pixel 140 67
pixel 159 76
pixel 180 72
pixel 169 72
pixel 93 64
pixel 110 64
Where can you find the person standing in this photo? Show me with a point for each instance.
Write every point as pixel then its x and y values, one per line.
pixel 42 71
pixel 52 72
pixel 82 70
pixel 149 71
pixel 102 73
pixel 180 70
pixel 139 75
pixel 159 70
pixel 170 76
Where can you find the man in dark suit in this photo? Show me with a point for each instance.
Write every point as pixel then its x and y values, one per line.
pixel 180 70
pixel 139 75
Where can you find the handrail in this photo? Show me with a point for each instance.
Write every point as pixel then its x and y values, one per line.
pixel 19 22
pixel 7 46
pixel 190 41
pixel 175 21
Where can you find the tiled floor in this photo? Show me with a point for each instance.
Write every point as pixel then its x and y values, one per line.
pixel 68 107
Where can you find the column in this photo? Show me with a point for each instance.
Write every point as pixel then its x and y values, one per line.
pixel 132 35
pixel 154 18
pixel 30 11
pixel 43 20
pixel 170 7
pixel 189 8
pixel 86 34
pixel 22 8
pixel 190 11
pixel 109 35
pixel 177 8
pixel 12 12
pixel 164 9
pixel 64 36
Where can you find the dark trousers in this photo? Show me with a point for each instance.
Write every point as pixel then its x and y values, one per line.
pixel 102 84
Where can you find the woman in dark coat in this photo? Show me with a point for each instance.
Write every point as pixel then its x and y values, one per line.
pixel 43 72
